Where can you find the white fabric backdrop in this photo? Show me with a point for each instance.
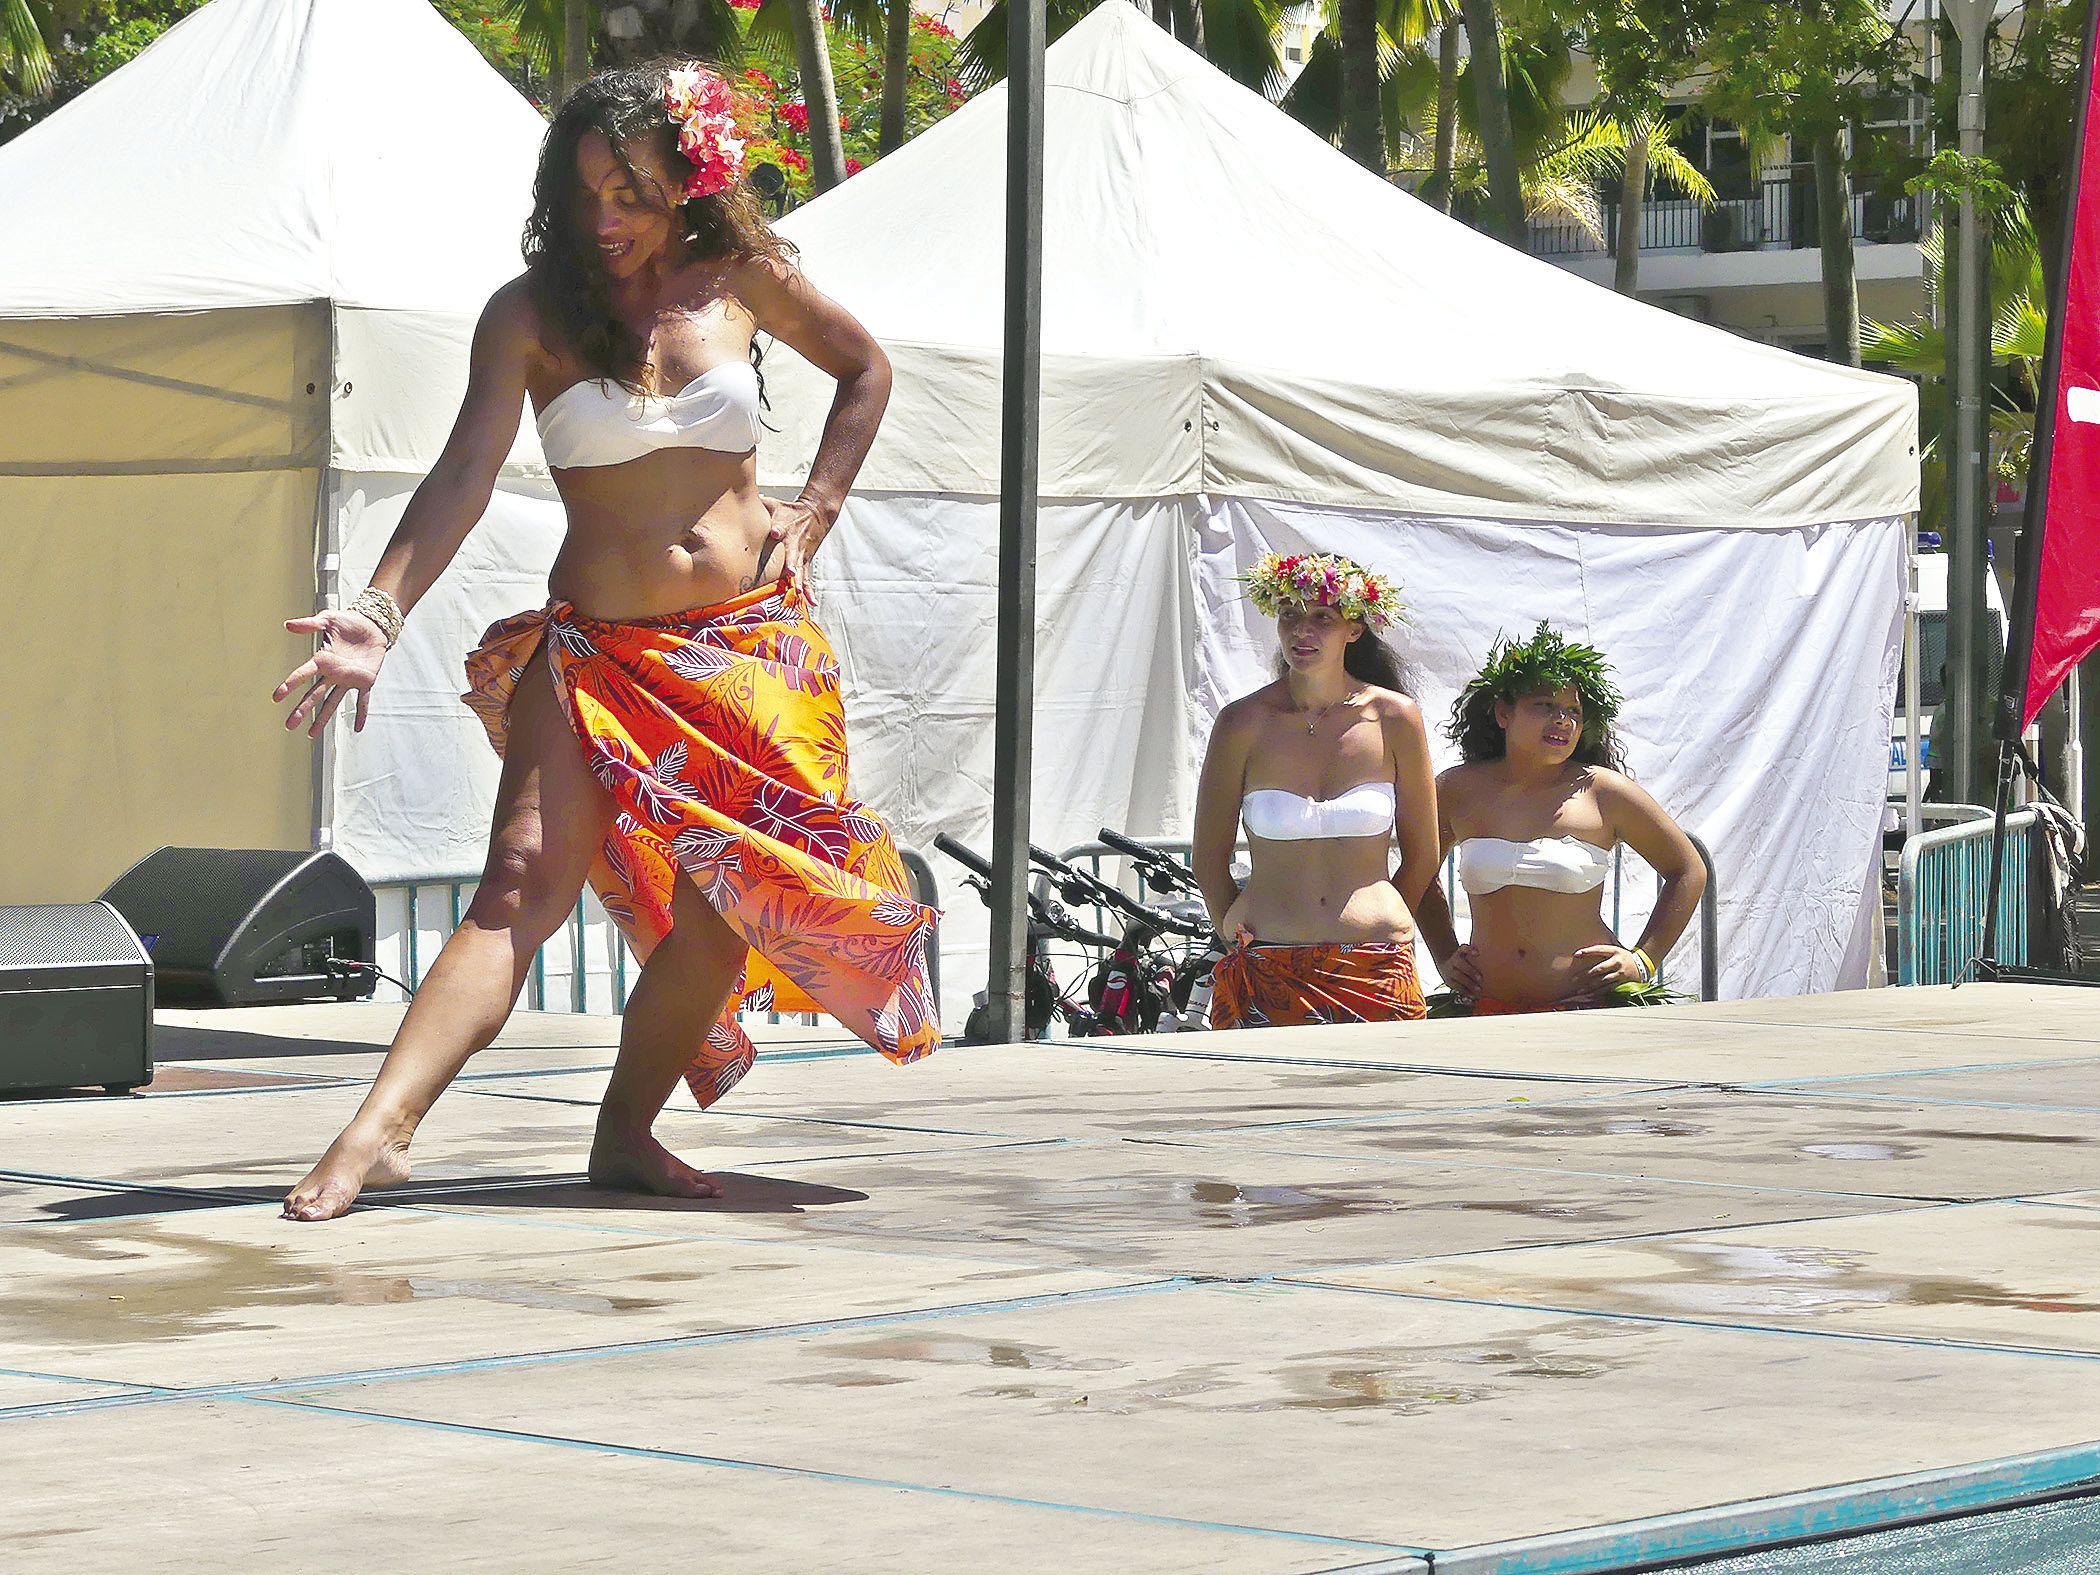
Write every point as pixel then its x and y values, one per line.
pixel 414 790
pixel 1759 668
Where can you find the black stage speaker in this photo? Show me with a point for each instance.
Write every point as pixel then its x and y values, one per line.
pixel 76 999
pixel 250 926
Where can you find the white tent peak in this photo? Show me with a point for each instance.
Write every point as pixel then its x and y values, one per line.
pixel 1230 304
pixel 270 151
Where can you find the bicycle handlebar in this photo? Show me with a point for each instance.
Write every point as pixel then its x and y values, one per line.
pixel 1156 859
pixel 1043 914
pixel 1104 895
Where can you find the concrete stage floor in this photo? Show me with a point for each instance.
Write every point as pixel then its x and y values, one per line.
pixel 1578 1293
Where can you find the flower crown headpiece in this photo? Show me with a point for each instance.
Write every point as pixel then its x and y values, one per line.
pixel 1545 664
pixel 1323 579
pixel 699 106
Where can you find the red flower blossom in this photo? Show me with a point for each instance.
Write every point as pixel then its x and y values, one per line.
pixel 796 115
pixel 854 166
pixel 794 161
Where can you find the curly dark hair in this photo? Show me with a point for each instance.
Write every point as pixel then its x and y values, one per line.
pixel 564 272
pixel 1480 737
pixel 1545 664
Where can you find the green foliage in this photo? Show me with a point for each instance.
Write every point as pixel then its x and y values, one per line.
pixel 25 51
pixel 1950 176
pixel 778 123
pixel 93 38
pixel 1544 664
pixel 1536 62
pixel 493 28
pixel 2019 326
pixel 1239 36
pixel 1802 68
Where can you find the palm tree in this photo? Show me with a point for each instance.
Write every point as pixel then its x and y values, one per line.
pixel 884 23
pixel 2019 328
pixel 1236 36
pixel 25 52
pixel 896 70
pixel 1649 154
pixel 1363 117
pixel 827 155
pixel 1357 82
pixel 1491 113
pixel 622 33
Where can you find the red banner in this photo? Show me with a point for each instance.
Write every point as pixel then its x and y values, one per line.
pixel 2065 509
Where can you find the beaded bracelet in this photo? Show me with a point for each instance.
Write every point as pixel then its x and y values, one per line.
pixel 382 609
pixel 1648 969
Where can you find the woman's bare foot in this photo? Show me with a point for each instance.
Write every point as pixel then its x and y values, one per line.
pixel 636 1162
pixel 354 1161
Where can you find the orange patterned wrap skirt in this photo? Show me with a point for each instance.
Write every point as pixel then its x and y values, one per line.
pixel 720 734
pixel 1291 986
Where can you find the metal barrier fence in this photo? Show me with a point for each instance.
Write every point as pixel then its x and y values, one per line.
pixel 588 930
pixel 1093 857
pixel 1942 887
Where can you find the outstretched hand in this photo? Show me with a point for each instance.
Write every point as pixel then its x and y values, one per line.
pixel 345 662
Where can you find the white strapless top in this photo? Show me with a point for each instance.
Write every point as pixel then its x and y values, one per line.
pixel 1563 864
pixel 1367 810
pixel 597 422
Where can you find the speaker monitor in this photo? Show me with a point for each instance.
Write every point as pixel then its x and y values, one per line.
pixel 76 999
pixel 249 926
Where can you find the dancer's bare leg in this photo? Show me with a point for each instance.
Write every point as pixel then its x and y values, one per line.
pixel 551 818
pixel 680 993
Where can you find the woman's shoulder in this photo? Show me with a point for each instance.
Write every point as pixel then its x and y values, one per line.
pixel 512 306
pixel 1605 782
pixel 1247 712
pixel 1390 705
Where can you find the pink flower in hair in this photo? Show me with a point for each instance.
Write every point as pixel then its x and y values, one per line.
pixel 698 103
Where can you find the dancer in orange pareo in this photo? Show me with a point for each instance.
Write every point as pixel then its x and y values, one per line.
pixel 670 723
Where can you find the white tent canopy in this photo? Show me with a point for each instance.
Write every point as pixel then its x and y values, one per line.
pixel 237 283
pixel 1251 342
pixel 1232 307
pixel 235 297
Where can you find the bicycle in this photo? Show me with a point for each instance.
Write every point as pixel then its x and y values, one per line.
pixel 1045 1000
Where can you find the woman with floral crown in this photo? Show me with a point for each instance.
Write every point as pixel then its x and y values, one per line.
pixel 1535 807
pixel 670 722
pixel 1325 766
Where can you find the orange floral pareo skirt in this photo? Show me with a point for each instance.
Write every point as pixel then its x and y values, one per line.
pixel 1263 986
pixel 721 736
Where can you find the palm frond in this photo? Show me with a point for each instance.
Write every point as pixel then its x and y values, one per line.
pixel 25 54
pixel 1916 346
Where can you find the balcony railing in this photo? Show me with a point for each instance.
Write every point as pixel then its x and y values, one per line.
pixel 1781 217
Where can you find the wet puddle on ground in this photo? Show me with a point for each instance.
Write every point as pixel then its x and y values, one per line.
pixel 147 1288
pixel 1729 1279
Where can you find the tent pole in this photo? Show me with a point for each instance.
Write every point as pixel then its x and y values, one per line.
pixel 1913 701
pixel 328 576
pixel 1020 396
pixel 1968 432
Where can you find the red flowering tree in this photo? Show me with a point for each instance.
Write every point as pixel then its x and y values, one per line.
pixel 779 122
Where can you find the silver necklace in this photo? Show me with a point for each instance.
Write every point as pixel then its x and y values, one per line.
pixel 1329 706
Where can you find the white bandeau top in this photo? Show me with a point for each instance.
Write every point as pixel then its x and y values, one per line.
pixel 1563 864
pixel 597 422
pixel 1366 810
